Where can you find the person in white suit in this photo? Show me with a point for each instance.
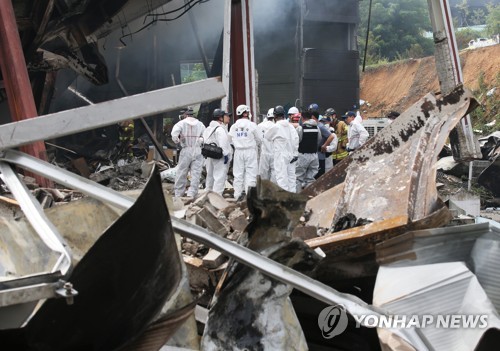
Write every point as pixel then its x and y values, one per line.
pixel 246 140
pixel 187 133
pixel 217 168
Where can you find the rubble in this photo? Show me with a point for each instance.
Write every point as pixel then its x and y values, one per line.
pixel 380 196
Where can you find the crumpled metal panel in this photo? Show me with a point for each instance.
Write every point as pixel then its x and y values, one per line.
pixel 436 289
pixel 394 173
pixel 476 244
pixel 123 281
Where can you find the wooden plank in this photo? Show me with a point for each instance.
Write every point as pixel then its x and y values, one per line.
pixel 334 239
pixel 9 200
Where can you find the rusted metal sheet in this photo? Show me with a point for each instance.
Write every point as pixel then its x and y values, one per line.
pixel 393 174
pixel 339 241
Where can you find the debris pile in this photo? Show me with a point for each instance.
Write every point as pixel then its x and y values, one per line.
pixel 389 233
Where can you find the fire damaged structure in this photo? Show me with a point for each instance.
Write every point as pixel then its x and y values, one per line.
pixel 309 58
pixel 117 270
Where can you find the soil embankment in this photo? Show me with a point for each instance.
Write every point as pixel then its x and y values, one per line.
pixel 396 86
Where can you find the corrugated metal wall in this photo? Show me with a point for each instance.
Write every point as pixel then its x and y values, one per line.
pixel 307 48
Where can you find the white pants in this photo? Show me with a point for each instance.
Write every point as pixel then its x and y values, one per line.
pixel 216 175
pixel 189 160
pixel 266 166
pixel 328 163
pixel 307 167
pixel 245 170
pixel 285 171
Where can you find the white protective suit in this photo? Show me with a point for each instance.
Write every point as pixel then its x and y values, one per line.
pixel 188 133
pixel 285 147
pixel 330 149
pixel 356 135
pixel 358 118
pixel 246 140
pixel 266 151
pixel 216 168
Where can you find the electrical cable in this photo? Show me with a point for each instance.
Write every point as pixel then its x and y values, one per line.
pixel 189 7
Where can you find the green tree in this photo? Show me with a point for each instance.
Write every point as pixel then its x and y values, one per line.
pixel 397 29
pixel 493 20
pixel 197 73
pixel 463 10
pixel 478 17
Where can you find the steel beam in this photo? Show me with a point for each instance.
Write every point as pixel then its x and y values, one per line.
pixel 240 253
pixel 226 55
pixel 37 218
pixel 94 116
pixel 15 77
pixel 449 70
pixel 9 297
pixel 242 56
pixel 152 137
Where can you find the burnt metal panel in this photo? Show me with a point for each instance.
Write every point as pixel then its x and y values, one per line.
pixel 313 58
pixel 331 78
pixel 346 11
pixel 123 281
pixel 325 35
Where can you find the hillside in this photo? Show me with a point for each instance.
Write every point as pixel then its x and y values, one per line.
pixel 396 86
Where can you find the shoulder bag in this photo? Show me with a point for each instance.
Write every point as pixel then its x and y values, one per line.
pixel 211 150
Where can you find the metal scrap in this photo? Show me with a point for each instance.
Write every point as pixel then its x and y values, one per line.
pixel 253 311
pixel 393 174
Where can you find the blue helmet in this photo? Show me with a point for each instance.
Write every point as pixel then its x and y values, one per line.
pixel 313 107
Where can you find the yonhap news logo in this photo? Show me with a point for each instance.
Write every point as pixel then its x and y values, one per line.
pixel 332 321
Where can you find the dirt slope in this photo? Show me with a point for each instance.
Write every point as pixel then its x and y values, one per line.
pixel 397 86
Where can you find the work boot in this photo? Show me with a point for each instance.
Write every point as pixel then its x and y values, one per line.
pixel 241 197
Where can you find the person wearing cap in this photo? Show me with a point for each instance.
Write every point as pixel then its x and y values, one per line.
pixel 216 168
pixel 307 163
pixel 246 140
pixel 266 151
pixel 341 130
pixel 187 133
pixel 356 134
pixel 285 142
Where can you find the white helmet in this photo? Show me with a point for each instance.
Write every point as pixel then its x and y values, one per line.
pixel 242 108
pixel 293 110
pixel 270 113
